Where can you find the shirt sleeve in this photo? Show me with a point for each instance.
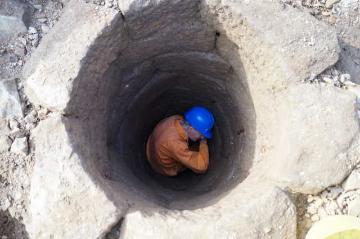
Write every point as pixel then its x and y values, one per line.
pixel 196 161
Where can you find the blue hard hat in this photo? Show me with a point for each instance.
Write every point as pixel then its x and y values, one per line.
pixel 200 119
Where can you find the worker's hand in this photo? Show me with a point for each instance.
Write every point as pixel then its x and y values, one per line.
pixel 203 140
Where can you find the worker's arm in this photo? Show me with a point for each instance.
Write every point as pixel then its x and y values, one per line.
pixel 196 161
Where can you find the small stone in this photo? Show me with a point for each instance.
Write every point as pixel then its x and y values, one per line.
pixel 20 146
pixel 17 196
pixel 315 218
pixel 37 7
pixel 22 41
pixel 344 78
pixel 32 30
pixel 326 13
pixel 267 230
pixel 328 80
pixel 354 207
pixel 330 3
pixel 13 124
pixel 45 28
pixel 42 20
pixel 42 113
pixel 9 99
pixel 5 204
pixel 31 117
pixel 5 143
pixel 20 51
pixel 310 199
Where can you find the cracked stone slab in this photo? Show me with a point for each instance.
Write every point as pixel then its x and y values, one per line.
pixel 318 145
pixel 302 44
pixel 64 201
pixel 244 214
pixel 74 42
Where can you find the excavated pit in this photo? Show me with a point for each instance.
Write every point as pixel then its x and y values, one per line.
pixel 161 70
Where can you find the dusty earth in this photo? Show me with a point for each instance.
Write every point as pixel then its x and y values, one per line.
pixel 33 19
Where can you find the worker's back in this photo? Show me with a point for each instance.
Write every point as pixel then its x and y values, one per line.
pixel 167 149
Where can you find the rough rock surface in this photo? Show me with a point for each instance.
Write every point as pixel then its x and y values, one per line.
pixel 47 86
pixel 64 201
pixel 316 118
pixel 243 214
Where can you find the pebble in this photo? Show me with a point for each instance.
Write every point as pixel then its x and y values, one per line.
pixel 20 146
pixel 267 230
pixel 42 20
pixel 42 113
pixel 354 207
pixel 13 124
pixel 32 30
pixel 344 78
pixel 31 117
pixel 20 51
pixel 37 7
pixel 45 28
pixel 22 40
pixel 315 218
pixel 5 204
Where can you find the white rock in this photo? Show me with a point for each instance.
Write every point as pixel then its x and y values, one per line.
pixel 5 204
pixel 353 181
pixel 332 121
pixel 32 30
pixel 62 193
pixel 31 117
pixel 9 99
pixel 55 89
pixel 45 28
pixel 354 207
pixel 226 219
pixel 42 113
pixel 20 146
pixel 5 143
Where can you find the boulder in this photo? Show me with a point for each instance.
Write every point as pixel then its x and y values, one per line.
pixel 318 142
pixel 48 86
pixel 20 146
pixel 64 201
pixel 244 214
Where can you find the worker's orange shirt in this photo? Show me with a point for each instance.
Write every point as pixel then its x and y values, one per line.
pixel 168 152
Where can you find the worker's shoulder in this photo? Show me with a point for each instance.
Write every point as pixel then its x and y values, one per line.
pixel 172 118
pixel 168 123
